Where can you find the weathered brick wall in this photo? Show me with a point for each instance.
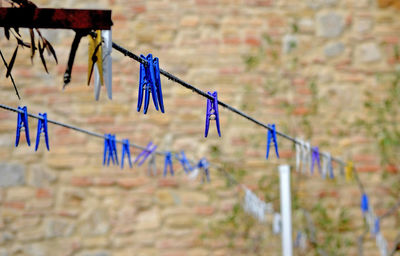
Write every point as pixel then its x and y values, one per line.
pixel 304 65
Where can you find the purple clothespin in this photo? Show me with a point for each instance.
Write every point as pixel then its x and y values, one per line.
pixel 168 164
pixel 187 167
pixel 364 203
pixel 315 158
pixel 126 151
pixel 212 113
pixel 150 148
pixel 272 136
pixel 110 150
pixel 22 123
pixel 203 164
pixel 42 127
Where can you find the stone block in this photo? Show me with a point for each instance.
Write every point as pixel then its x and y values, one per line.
pixel 12 175
pixel 330 25
pixel 333 49
pixel 58 228
pixel 95 222
pixel 39 176
pixel 148 220
pixel 368 52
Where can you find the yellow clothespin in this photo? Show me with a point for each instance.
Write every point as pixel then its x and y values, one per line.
pixel 95 54
pixel 349 171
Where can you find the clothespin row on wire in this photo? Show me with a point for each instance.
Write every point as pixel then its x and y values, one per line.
pixel 308 157
pixel 110 153
pixel 374 224
pixel 23 125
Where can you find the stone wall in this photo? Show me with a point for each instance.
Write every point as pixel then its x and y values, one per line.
pixel 304 65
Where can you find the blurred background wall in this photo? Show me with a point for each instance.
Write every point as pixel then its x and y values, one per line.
pixel 323 70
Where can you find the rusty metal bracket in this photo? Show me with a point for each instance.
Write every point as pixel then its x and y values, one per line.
pixel 76 19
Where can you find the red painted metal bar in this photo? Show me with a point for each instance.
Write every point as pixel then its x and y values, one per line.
pixel 76 19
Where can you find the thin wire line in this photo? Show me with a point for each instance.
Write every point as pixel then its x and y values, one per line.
pixel 94 134
pixel 248 117
pixel 172 77
pixel 200 92
pixel 391 211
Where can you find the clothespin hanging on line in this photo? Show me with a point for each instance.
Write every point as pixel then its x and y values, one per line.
pixel 126 151
pixel 377 226
pixel 327 168
pixel 150 83
pixel 152 168
pixel 22 123
pixel 212 113
pixel 349 171
pixel 364 203
pixel 110 150
pixel 277 223
pixel 298 147
pixel 204 165
pixel 306 156
pixel 42 127
pixel 103 77
pixel 272 136
pixel 168 164
pixel 187 167
pixel 315 158
pixel 95 56
pixel 330 166
pixel 149 150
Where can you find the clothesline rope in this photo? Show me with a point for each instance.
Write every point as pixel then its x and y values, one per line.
pixel 78 129
pixel 172 77
pixel 248 117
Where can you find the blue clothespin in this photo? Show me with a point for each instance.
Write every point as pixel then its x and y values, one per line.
pixel 364 203
pixel 150 82
pixel 184 162
pixel 168 163
pixel 22 122
pixel 150 148
pixel 42 127
pixel 377 225
pixel 203 164
pixel 110 150
pixel 212 112
pixel 126 151
pixel 272 136
pixel 330 167
pixel 315 158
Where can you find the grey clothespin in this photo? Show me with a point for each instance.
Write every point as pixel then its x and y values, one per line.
pixel 107 60
pixel 298 147
pixel 152 168
pixel 106 66
pixel 306 157
pixel 276 225
pixel 382 244
pixel 325 165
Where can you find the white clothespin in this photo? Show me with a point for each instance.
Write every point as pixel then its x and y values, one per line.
pixel 276 224
pixel 306 157
pixel 254 205
pixel 298 154
pixel 325 165
pixel 382 244
pixel 193 174
pixel 107 60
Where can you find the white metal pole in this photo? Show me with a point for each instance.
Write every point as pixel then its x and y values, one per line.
pixel 286 210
